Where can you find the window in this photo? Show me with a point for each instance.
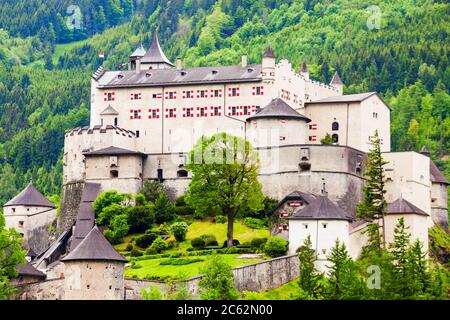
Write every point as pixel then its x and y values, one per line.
pixel 136 96
pixel 324 225
pixel 305 226
pixel 160 174
pixel 181 173
pixel 171 113
pixel 188 112
pixel 153 113
pixel 233 92
pixel 258 90
pixel 135 114
pixel 216 93
pixel 202 112
pixel 115 121
pixel 188 94
pixel 137 133
pixel 233 111
pixel 109 96
pixel 216 111
pixel 312 138
pixel 335 138
pixel 258 108
pixel 335 126
pixel 170 95
pixel 375 115
pixel 313 126
pixel 13 210
pixel 114 173
pixel 21 223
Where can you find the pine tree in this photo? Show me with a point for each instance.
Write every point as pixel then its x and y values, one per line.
pixel 343 281
pixel 373 206
pixel 309 277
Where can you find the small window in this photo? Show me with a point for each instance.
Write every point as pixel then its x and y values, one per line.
pixel 216 111
pixel 234 92
pixel 188 112
pixel 188 94
pixel 21 223
pixel 216 93
pixel 154 113
pixel 154 96
pixel 137 133
pixel 88 286
pixel 135 114
pixel 114 173
pixel 305 226
pixel 181 173
pixel 171 113
pixel 324 225
pixel 202 112
pixel 375 115
pixel 110 287
pixel 115 122
pixel 257 108
pixel 233 111
pixel 136 96
pixel 13 210
pixel 335 126
pixel 335 138
pixel 245 110
pixel 110 96
pixel 160 174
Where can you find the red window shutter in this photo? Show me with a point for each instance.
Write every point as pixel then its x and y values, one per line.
pixel 131 96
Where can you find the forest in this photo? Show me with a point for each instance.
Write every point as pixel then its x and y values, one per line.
pixel 45 66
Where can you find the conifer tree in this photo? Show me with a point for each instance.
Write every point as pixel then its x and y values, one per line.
pixel 343 281
pixel 373 206
pixel 309 277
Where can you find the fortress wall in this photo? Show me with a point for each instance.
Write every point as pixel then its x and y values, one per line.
pixel 260 276
pixel 44 290
pixel 70 202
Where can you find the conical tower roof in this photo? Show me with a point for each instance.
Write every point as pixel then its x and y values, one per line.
pixel 336 80
pixel 269 52
pixel 109 110
pixel 94 247
pixel 30 196
pixel 138 52
pixel 277 108
pixel 155 54
pixel 304 67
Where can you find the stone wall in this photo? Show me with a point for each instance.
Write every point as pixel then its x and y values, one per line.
pixel 44 290
pixel 260 276
pixel 70 202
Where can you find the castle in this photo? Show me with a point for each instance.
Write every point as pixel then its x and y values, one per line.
pixel 144 121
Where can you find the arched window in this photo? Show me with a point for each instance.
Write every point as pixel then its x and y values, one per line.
pixel 335 138
pixel 335 126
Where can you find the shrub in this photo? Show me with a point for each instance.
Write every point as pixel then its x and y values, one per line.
pixel 146 239
pixel 235 243
pixel 218 281
pixel 159 245
pixel 105 199
pixel 170 242
pixel 208 238
pixel 213 243
pixel 221 219
pixel 164 209
pixel 140 218
pixel 258 243
pixel 254 223
pixel 150 251
pixel 164 229
pixel 108 213
pixel 129 247
pixel 275 247
pixel 136 253
pixel 179 261
pixel 118 229
pixel 197 243
pixel 180 230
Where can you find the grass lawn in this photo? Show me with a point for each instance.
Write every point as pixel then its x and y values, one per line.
pixel 241 232
pixel 285 292
pixel 60 49
pixel 152 267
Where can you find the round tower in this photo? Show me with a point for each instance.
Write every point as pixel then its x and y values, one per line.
pixel 268 66
pixel 277 124
pixel 94 270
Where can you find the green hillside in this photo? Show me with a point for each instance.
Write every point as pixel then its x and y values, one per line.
pixel 44 84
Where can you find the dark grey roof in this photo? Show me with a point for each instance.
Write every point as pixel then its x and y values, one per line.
pixel 155 54
pixel 109 110
pixel 112 151
pixel 403 206
pixel 30 196
pixel 344 98
pixel 139 51
pixel 425 151
pixel 336 79
pixel 321 208
pixel 173 76
pixel 304 67
pixel 295 195
pixel 436 175
pixel 86 214
pixel 27 269
pixel 94 247
pixel 269 52
pixel 277 108
pixel 31 253
pixel 53 252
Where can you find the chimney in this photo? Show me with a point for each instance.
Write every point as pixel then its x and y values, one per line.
pixel 244 60
pixel 179 64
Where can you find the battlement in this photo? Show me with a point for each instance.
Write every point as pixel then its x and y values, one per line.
pixel 99 129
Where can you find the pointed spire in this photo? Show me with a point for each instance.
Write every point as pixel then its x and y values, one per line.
pixel 155 54
pixel 139 51
pixel 269 52
pixel 304 67
pixel 425 151
pixel 336 80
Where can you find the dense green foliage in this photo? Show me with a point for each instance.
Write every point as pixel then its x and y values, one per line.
pixel 217 283
pixel 275 247
pixel 44 88
pixel 11 255
pixel 400 272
